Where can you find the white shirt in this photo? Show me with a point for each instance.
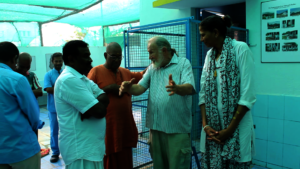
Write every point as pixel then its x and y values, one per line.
pixel 75 94
pixel 169 114
pixel 245 63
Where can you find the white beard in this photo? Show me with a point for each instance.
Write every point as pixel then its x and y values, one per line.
pixel 157 64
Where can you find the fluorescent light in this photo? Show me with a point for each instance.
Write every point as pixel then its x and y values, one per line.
pixel 216 13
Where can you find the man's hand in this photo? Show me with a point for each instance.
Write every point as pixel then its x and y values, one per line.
pixel 113 88
pixel 38 92
pixel 84 116
pixel 126 86
pixel 173 88
pixel 99 110
pixel 49 90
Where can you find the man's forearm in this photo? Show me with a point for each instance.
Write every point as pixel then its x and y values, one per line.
pixel 185 89
pixel 37 93
pixel 50 90
pixel 137 89
pixel 112 89
pixel 103 98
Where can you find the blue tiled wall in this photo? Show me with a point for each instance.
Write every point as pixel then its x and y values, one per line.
pixel 277 122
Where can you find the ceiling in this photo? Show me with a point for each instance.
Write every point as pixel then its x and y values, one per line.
pixel 41 10
pixel 183 4
pixel 81 13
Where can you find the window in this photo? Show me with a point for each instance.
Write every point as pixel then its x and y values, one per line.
pixel 114 33
pixel 25 33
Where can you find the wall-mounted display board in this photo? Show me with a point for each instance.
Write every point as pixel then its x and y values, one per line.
pixel 33 64
pixel 280 25
pixel 41 63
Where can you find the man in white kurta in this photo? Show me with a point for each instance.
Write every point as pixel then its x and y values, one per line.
pixel 81 142
pixel 245 64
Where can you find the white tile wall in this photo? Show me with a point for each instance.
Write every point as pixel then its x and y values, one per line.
pixel 277 121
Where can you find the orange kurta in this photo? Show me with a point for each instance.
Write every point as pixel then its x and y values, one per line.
pixel 121 130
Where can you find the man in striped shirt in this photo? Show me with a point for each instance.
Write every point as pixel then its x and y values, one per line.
pixel 23 66
pixel 171 83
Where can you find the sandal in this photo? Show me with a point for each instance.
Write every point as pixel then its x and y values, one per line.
pixel 45 152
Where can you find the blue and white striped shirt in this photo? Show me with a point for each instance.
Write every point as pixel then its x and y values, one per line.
pixel 169 114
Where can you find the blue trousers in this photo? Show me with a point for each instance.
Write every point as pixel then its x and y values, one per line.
pixel 53 133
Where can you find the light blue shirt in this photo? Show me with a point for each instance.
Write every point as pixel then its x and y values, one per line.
pixel 75 94
pixel 49 81
pixel 169 114
pixel 19 117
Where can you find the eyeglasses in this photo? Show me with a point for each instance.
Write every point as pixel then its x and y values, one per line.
pixel 115 58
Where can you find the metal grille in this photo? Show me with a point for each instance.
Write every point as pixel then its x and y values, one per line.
pixel 183 35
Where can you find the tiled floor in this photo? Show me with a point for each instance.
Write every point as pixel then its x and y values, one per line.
pixel 44 140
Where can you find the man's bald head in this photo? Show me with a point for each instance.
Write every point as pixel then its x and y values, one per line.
pixel 25 56
pixel 112 47
pixel 160 42
pixel 113 56
pixel 24 63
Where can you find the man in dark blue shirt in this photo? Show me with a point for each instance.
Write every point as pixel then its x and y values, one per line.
pixel 19 115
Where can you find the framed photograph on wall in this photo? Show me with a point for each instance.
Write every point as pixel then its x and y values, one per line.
pixel 280 23
pixel 33 64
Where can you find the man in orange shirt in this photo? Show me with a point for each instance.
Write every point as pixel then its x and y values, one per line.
pixel 121 131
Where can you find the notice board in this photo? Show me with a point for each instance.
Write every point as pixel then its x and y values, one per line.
pixel 280 25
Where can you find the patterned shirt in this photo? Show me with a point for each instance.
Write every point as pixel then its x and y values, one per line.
pixel 34 84
pixel 33 81
pixel 169 114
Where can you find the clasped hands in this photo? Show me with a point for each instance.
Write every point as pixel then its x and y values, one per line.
pixel 218 137
pixel 172 87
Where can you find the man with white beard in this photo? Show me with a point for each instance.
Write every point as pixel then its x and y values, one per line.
pixel 171 82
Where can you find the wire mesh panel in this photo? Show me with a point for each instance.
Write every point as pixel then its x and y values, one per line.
pixel 183 35
pixel 137 44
